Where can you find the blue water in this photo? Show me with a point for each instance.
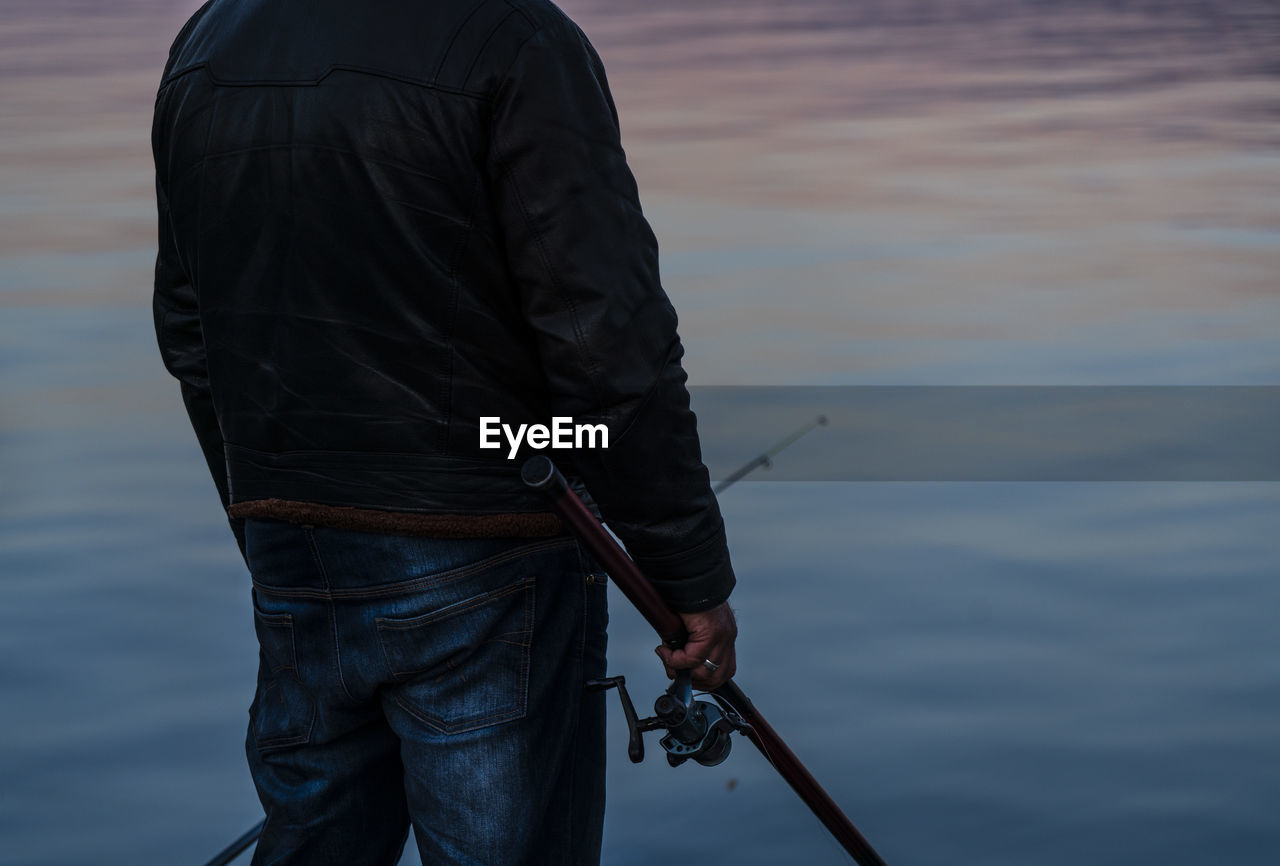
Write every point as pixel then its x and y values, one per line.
pixel 935 193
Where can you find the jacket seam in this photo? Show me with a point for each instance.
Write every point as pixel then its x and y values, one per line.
pixel 480 51
pixel 515 55
pixel 312 82
pixel 174 76
pixel 524 15
pixel 444 55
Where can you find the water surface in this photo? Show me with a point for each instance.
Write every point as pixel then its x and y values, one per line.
pixel 937 193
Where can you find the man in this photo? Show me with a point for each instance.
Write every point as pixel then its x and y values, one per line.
pixel 379 224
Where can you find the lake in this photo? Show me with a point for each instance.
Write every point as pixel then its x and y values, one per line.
pixel 878 193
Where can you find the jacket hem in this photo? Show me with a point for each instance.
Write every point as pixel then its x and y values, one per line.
pixel 518 525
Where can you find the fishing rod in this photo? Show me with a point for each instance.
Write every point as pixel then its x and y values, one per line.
pixel 232 851
pixel 697 730
pixel 765 460
pixel 717 735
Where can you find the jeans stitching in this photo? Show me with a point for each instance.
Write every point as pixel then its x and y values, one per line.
pixel 461 727
pixel 279 620
pixel 578 708
pixel 333 613
pixel 413 622
pixel 410 586
pixel 521 706
pixel 530 619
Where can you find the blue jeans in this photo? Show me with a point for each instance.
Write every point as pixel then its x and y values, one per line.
pixel 437 682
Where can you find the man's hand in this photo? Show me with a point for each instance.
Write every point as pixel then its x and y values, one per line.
pixel 711 636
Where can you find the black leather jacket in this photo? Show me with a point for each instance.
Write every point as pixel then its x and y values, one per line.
pixel 382 221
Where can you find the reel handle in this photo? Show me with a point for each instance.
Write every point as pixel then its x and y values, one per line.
pixel 635 742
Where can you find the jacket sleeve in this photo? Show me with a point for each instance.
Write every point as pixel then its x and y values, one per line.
pixel 177 320
pixel 586 265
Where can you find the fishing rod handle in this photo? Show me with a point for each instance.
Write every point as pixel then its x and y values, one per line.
pixel 776 751
pixel 542 475
pixel 236 848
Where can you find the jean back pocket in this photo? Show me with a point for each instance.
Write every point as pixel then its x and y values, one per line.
pixel 464 666
pixel 283 711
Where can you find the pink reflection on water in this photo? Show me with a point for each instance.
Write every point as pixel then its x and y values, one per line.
pixel 926 170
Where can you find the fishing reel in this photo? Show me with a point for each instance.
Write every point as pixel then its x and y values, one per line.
pixel 696 730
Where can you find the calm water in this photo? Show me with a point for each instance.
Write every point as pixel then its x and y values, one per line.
pixel 935 192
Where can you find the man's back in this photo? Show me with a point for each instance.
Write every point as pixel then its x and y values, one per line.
pixel 382 222
pixel 323 163
pixel 329 175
